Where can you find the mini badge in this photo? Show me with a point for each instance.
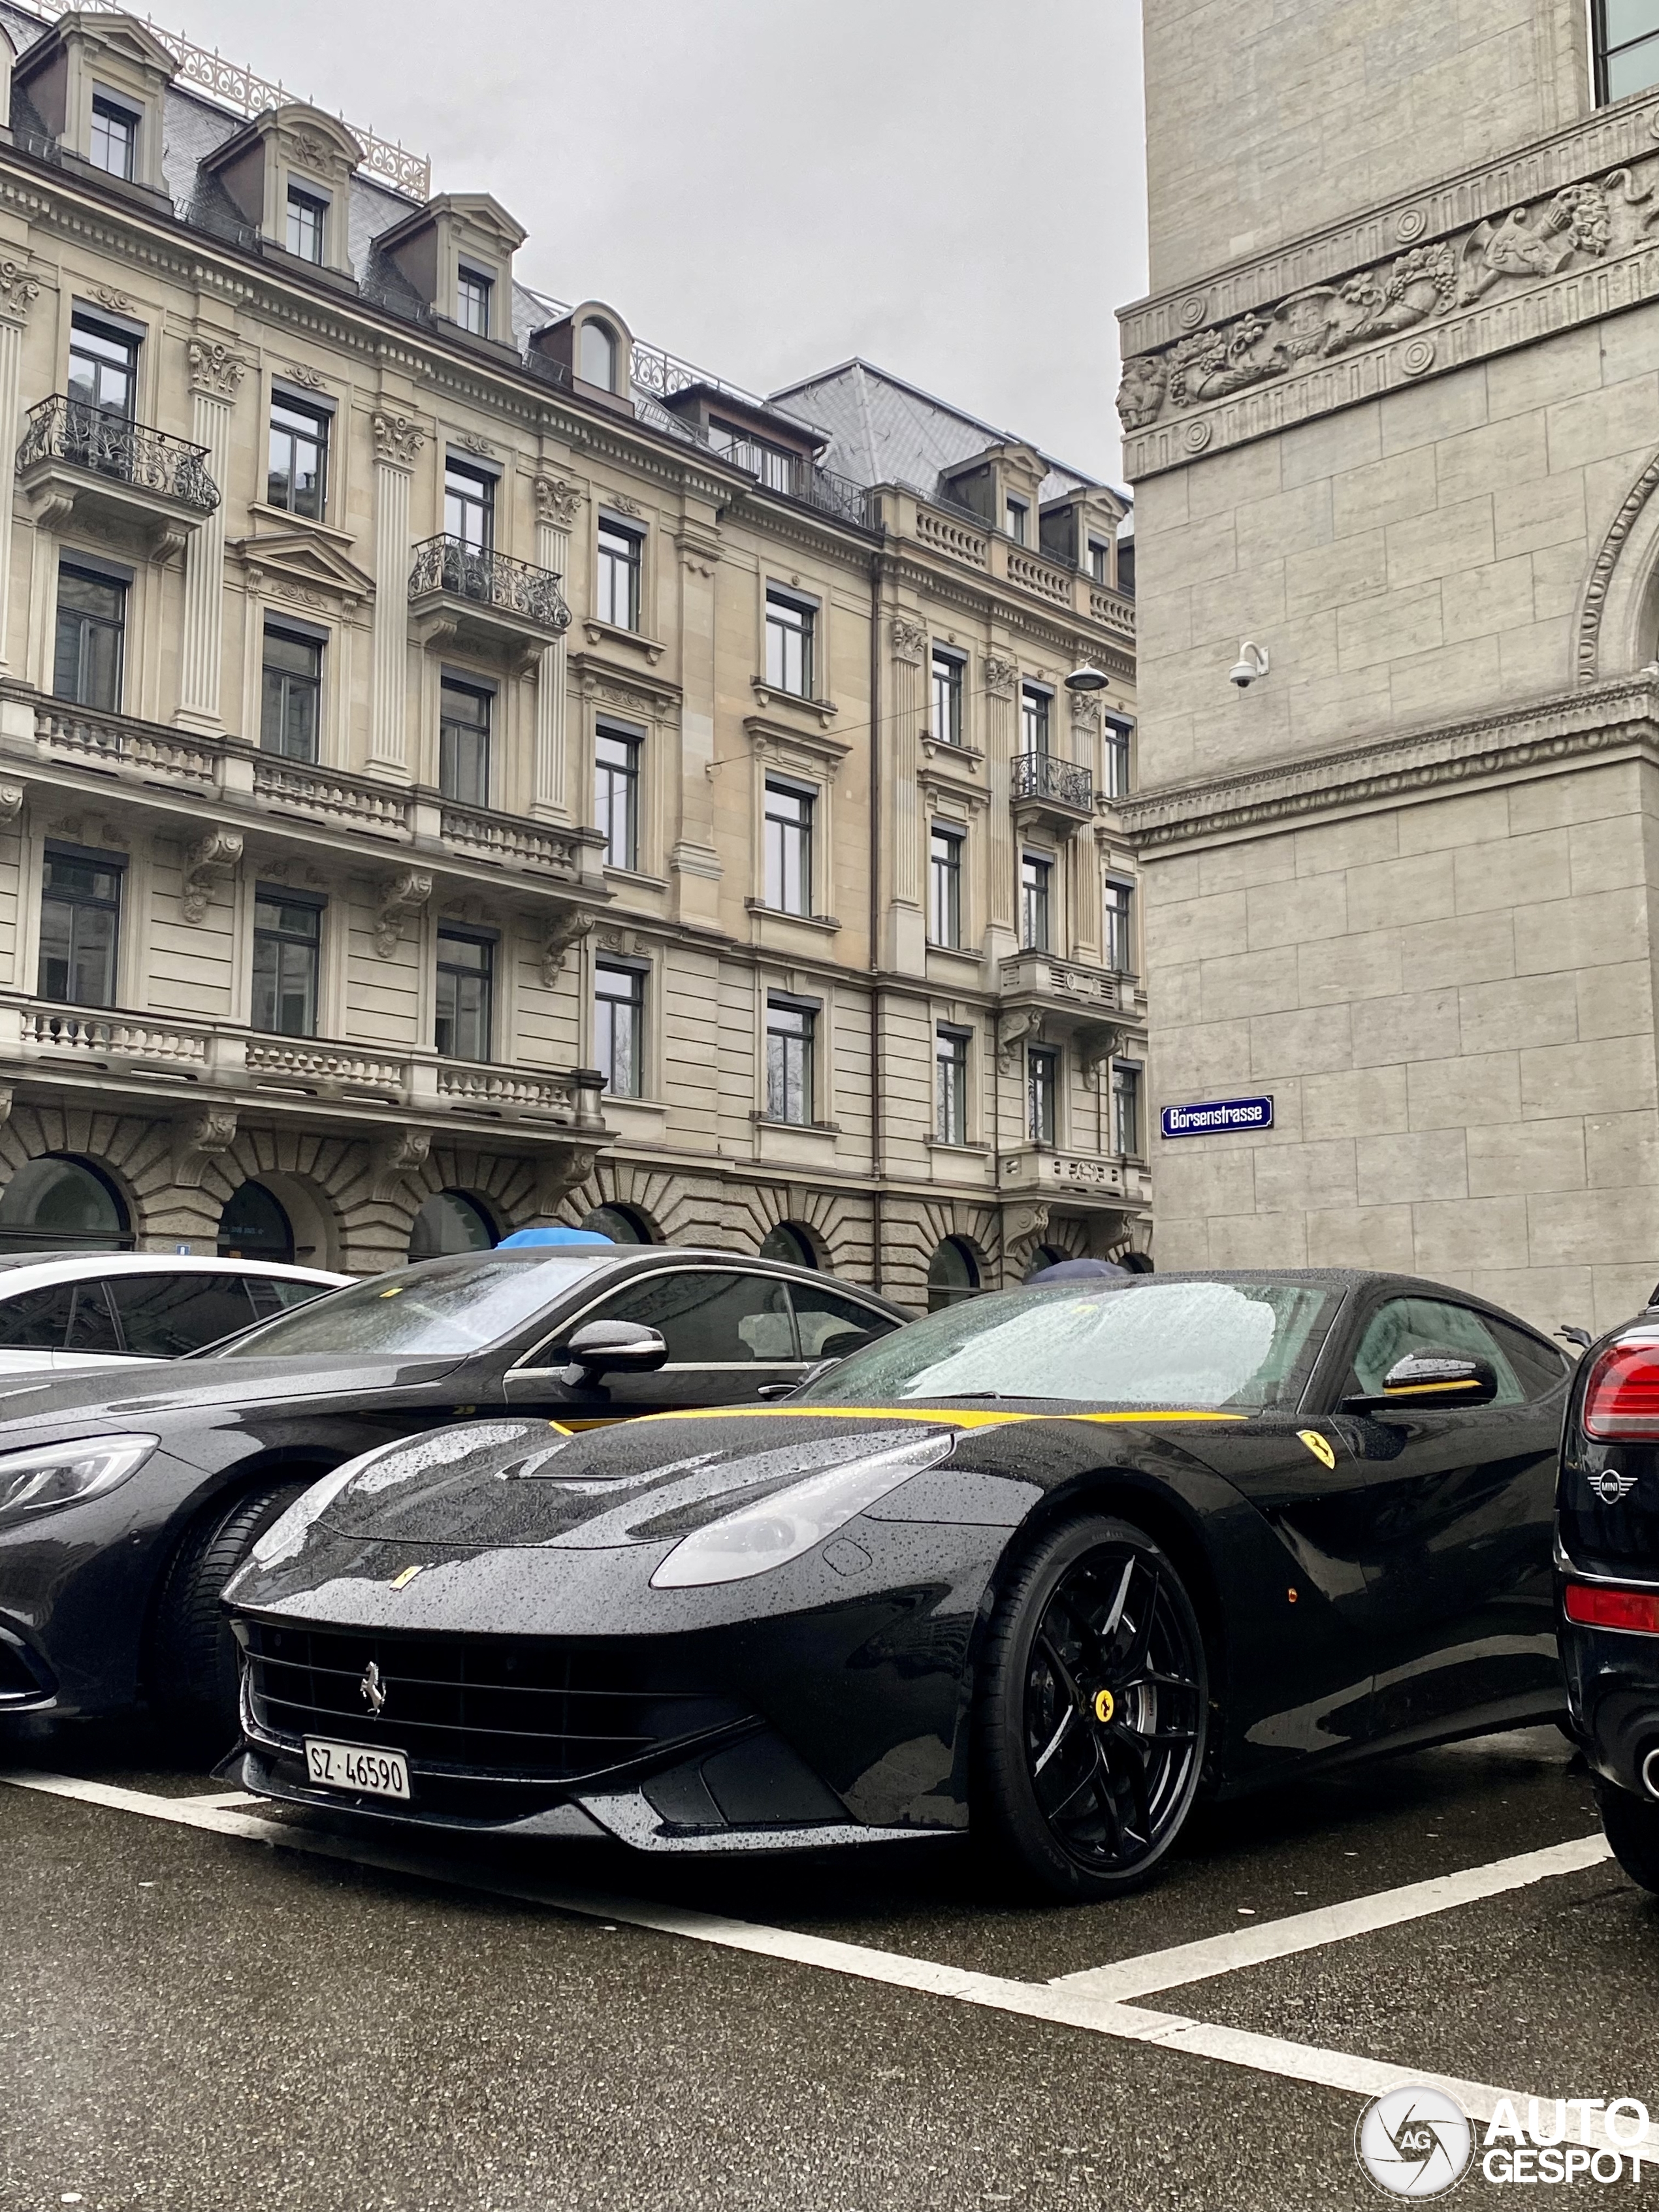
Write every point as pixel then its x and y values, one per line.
pixel 1318 1445
pixel 1611 1487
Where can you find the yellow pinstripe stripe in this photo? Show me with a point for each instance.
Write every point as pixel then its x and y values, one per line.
pixel 960 1417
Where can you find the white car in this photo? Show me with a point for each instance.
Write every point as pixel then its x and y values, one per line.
pixel 69 1309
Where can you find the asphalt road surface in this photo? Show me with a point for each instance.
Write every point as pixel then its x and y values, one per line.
pixel 206 2005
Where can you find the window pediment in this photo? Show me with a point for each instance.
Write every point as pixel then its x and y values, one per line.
pixel 302 562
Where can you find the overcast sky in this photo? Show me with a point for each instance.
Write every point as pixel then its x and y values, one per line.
pixel 952 188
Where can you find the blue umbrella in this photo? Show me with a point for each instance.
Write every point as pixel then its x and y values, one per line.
pixel 1075 1271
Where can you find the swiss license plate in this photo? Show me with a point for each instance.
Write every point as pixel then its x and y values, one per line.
pixel 354 1766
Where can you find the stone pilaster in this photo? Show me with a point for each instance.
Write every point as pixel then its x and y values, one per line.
pixel 906 923
pixel 999 725
pixel 18 292
pixel 398 441
pixel 215 376
pixel 558 505
pixel 693 861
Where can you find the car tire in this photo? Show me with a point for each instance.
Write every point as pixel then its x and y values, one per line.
pixel 1632 1828
pixel 1091 1712
pixel 194 1675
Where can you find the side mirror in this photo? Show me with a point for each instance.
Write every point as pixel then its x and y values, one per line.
pixel 622 1346
pixel 1424 1380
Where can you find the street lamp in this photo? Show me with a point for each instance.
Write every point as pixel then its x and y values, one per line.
pixel 1085 677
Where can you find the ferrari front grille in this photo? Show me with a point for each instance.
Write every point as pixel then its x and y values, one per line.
pixel 539 1709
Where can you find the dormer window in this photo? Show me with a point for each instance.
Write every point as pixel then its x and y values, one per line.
pixel 1016 515
pixel 307 220
pixel 597 361
pixel 113 145
pixel 472 291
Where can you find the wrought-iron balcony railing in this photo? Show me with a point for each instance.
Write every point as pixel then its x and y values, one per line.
pixel 1047 778
pixel 489 579
pixel 113 446
pixel 797 477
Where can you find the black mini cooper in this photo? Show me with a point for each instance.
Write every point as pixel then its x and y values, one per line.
pixel 1606 1558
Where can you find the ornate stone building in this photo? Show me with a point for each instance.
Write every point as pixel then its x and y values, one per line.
pixel 461 767
pixel 1392 415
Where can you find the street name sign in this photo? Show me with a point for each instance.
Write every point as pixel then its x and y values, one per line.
pixel 1208 1119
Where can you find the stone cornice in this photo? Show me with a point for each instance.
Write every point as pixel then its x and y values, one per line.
pixel 1541 738
pixel 1560 234
pixel 988 598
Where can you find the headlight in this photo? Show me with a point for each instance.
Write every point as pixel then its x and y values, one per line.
pixel 774 1529
pixel 51 1475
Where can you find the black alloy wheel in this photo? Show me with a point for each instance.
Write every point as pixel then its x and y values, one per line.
pixel 194 1662
pixel 1092 1710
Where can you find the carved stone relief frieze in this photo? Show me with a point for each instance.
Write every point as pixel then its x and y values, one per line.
pixel 1001 674
pixel 557 502
pixel 1435 282
pixel 396 438
pixel 909 638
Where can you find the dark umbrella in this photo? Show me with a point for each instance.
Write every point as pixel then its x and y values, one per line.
pixel 1075 1271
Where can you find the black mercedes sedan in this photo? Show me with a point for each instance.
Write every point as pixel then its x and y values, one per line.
pixel 1044 1564
pixel 126 1501
pixel 1607 1563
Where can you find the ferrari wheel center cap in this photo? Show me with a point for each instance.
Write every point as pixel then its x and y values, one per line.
pixel 1105 1706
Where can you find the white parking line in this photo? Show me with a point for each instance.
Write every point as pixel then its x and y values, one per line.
pixel 1057 2002
pixel 1331 1923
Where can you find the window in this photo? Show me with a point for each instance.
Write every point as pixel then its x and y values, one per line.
pixel 466 970
pixel 597 358
pixel 464 717
pixel 291 696
pixel 80 917
pixel 616 796
pixel 945 908
pixel 952 1275
pixel 830 1324
pixel 114 146
pixel 1034 718
pixel 165 1316
pixel 1116 759
pixel 472 291
pixel 948 668
pixel 788 848
pixel 1100 560
pixel 951 1062
pixel 287 938
pixel 450 1221
pixel 1626 47
pixel 621 1223
pixel 620 551
pixel 619 1028
pixel 789 1030
pixel 103 366
pixel 1041 1090
pixel 470 506
pixel 1126 1109
pixel 776 466
pixel 1016 516
pixel 1120 922
pixel 710 1317
pixel 306 215
pixel 789 626
pixel 58 1317
pixel 784 1241
pixel 58 1202
pixel 92 621
pixel 297 472
pixel 1034 878
pixel 1405 1325
pixel 254 1225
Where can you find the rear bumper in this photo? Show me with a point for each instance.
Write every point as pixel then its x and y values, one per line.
pixel 1613 1693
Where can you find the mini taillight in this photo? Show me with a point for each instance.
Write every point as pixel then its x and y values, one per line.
pixel 1621 1398
pixel 1614 1608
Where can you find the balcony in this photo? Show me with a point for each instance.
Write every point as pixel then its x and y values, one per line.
pixel 463 596
pixel 108 1052
pixel 84 464
pixel 1057 793
pixel 1092 1179
pixel 1074 990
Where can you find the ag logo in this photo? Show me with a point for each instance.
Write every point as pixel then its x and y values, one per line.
pixel 1414 2142
pixel 1318 1445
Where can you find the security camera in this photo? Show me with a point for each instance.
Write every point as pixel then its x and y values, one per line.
pixel 1252 662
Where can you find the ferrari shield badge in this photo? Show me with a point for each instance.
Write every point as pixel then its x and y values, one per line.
pixel 1318 1445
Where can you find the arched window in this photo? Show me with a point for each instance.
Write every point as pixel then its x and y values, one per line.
pixel 64 1203
pixel 253 1226
pixel 619 1222
pixel 787 1242
pixel 597 362
pixel 952 1275
pixel 1045 1255
pixel 450 1221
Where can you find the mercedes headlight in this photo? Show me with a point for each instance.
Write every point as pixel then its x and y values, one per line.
pixel 771 1531
pixel 50 1475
